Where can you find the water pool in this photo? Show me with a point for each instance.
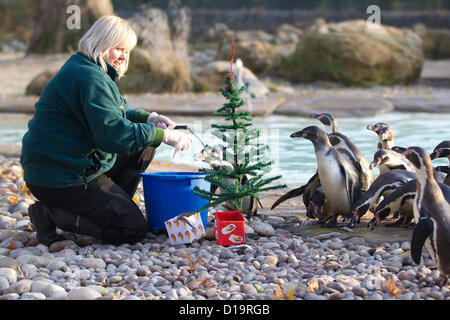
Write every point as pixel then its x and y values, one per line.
pixel 294 158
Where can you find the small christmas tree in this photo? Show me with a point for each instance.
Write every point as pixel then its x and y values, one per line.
pixel 239 149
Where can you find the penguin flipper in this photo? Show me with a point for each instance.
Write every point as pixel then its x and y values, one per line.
pixel 422 231
pixel 293 193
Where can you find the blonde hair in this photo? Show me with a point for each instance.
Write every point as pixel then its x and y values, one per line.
pixel 106 33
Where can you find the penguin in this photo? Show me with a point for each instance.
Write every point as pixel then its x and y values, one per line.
pixel 402 200
pixel 399 201
pixel 444 170
pixel 343 144
pixel 440 151
pixel 213 156
pixel 313 197
pixel 313 185
pixel 385 135
pixel 393 162
pixel 386 160
pixel 327 120
pixel 338 176
pixel 383 185
pixel 431 213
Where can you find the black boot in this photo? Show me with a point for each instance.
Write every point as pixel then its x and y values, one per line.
pixel 45 228
pixel 71 222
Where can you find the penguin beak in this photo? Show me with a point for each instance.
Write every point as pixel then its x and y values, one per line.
pixel 370 127
pixel 375 163
pixel 298 134
pixel 434 155
pixel 314 115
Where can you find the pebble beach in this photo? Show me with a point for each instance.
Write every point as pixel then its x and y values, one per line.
pixel 273 264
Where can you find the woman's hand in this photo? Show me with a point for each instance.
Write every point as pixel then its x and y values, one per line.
pixel 179 140
pixel 160 121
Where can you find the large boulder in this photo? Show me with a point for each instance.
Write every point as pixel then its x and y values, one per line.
pixel 259 56
pixel 51 34
pixel 146 74
pixel 212 77
pixel 160 63
pixel 436 42
pixel 39 82
pixel 353 53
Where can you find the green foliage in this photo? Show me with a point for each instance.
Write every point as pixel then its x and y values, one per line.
pixel 241 148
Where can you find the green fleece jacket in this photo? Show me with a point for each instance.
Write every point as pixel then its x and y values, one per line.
pixel 80 124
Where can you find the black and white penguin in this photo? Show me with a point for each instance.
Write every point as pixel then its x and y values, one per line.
pixel 213 156
pixel 431 213
pixel 400 201
pixel 313 197
pixel 328 121
pixel 444 170
pixel 343 144
pixel 383 185
pixel 386 160
pixel 443 150
pixel 338 176
pixel 385 135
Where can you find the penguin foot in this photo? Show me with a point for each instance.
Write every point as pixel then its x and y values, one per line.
pixel 398 223
pixel 330 222
pixel 411 225
pixel 372 223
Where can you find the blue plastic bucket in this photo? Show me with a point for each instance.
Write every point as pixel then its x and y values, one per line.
pixel 167 194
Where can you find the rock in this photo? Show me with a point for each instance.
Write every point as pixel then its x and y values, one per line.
pixel 258 56
pixel 436 295
pixel 262 228
pixel 33 296
pixel 82 293
pixel 353 54
pixel 287 33
pixel 9 296
pixel 60 245
pixel 53 290
pixel 336 296
pixel 248 288
pixel 435 42
pixel 4 283
pixel 160 63
pixel 19 287
pixel 270 260
pixel 39 82
pixel 39 285
pixel 359 291
pixel 38 261
pixel 435 101
pixel 210 77
pixel 341 104
pixel 9 274
pixel 94 263
pixel 376 296
pixel 51 17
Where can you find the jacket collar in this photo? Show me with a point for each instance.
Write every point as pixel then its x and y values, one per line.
pixel 112 72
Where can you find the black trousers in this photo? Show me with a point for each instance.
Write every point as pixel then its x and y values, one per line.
pixel 104 207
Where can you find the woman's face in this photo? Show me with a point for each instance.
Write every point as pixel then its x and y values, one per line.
pixel 116 57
